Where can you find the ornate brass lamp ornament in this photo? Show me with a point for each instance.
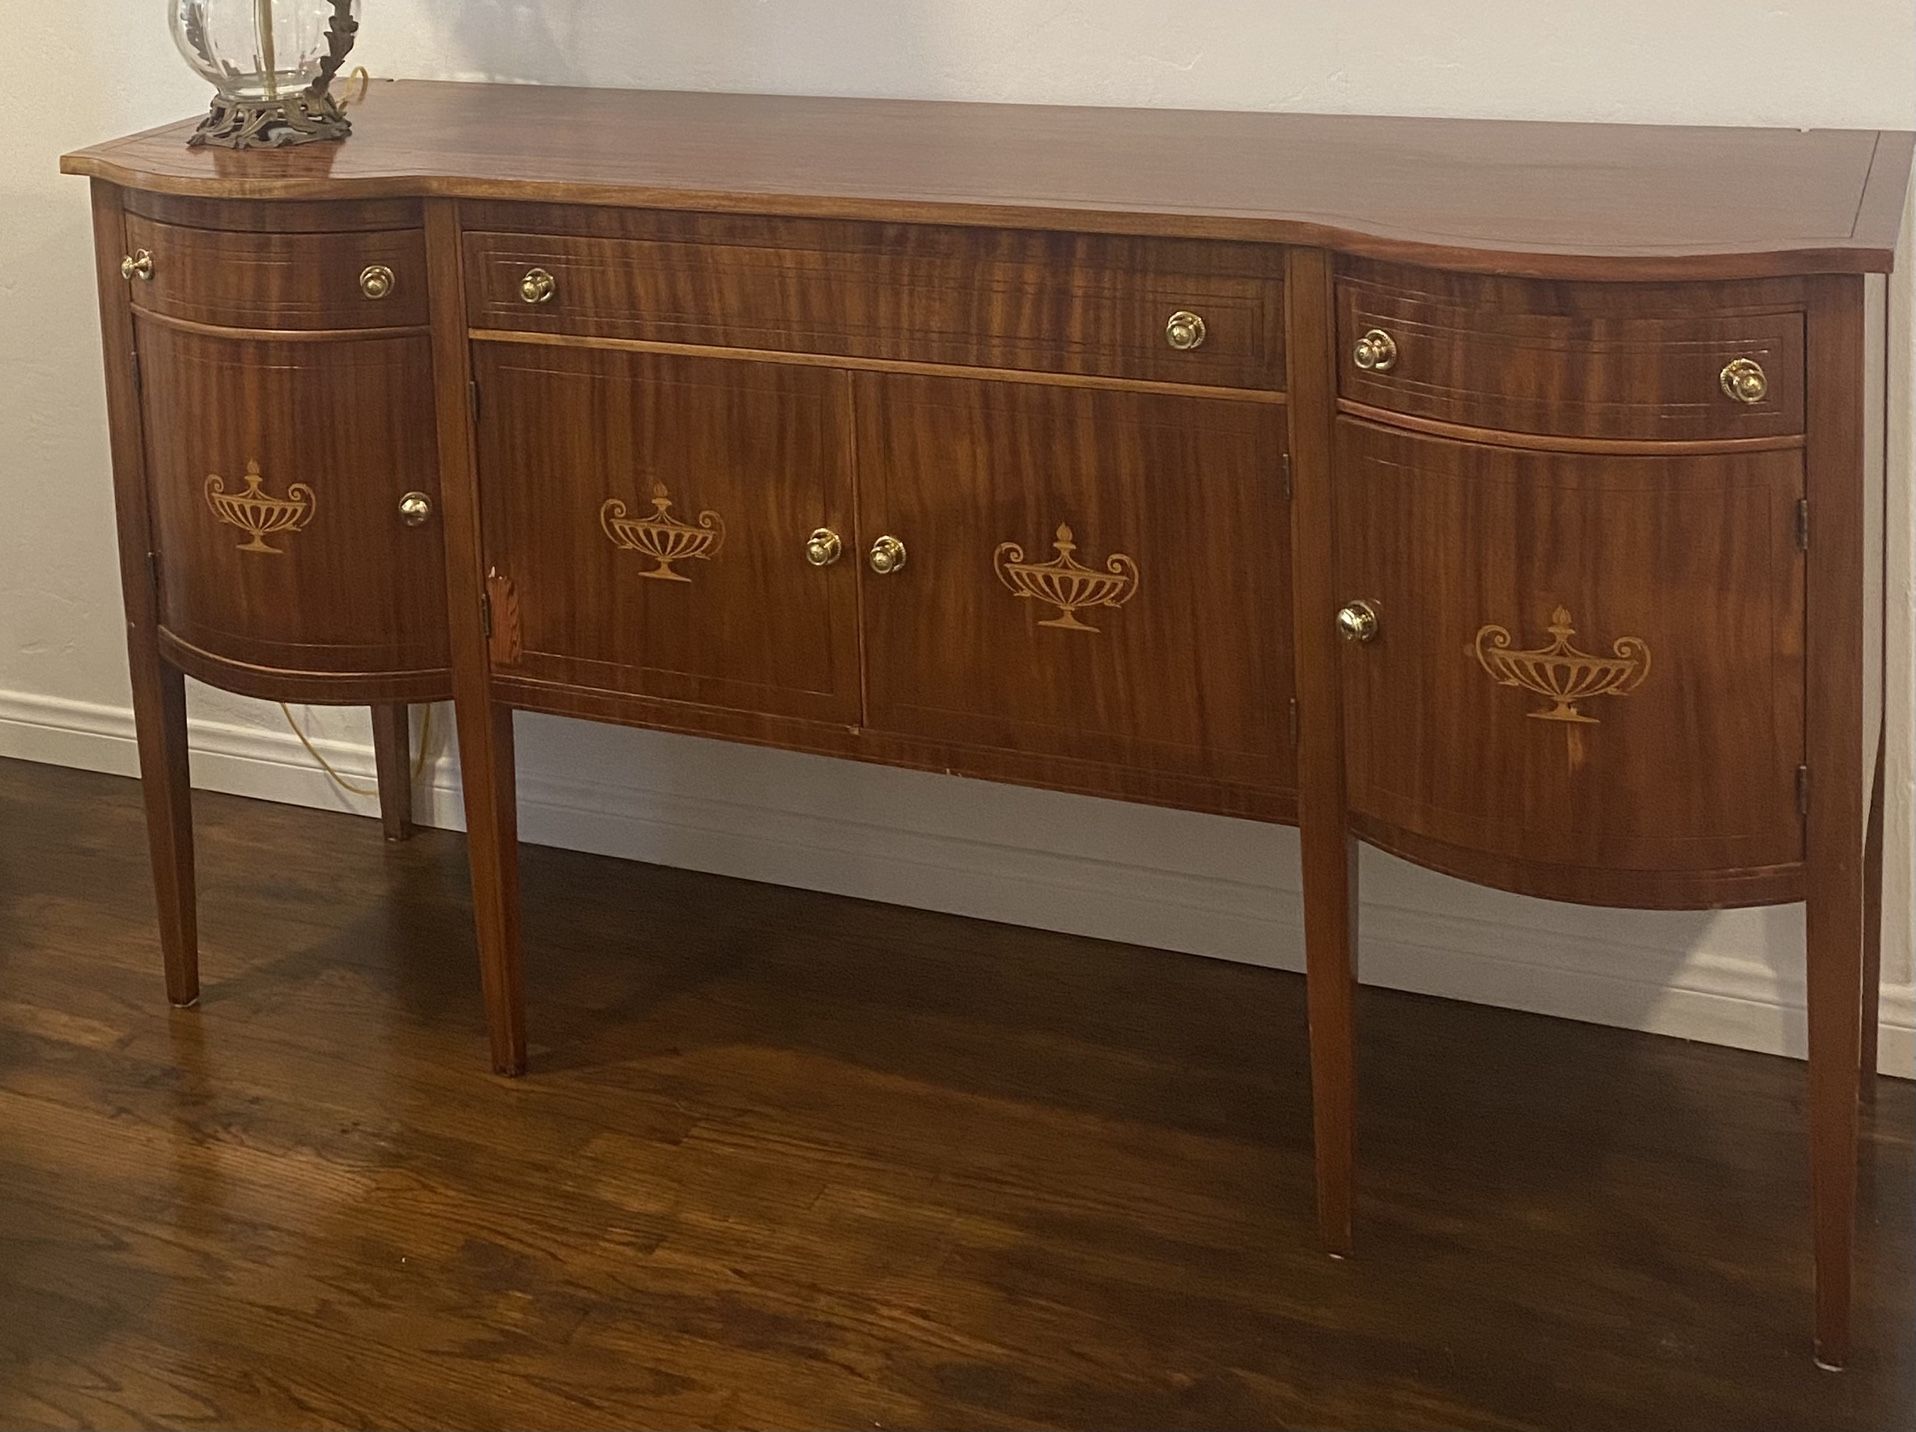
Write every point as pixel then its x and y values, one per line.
pixel 1066 583
pixel 661 536
pixel 258 515
pixel 1561 674
pixel 272 63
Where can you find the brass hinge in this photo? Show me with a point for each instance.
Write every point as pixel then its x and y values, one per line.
pixel 1803 790
pixel 472 393
pixel 1293 723
pixel 139 380
pixel 153 574
pixel 485 613
pixel 1287 477
pixel 1803 524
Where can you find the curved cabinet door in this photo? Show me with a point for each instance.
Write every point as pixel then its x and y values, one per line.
pixel 1091 575
pixel 648 516
pixel 276 471
pixel 1578 660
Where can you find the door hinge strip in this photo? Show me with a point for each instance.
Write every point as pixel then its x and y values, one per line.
pixel 1287 477
pixel 1294 726
pixel 472 394
pixel 139 378
pixel 153 576
pixel 1803 524
pixel 485 613
pixel 1803 790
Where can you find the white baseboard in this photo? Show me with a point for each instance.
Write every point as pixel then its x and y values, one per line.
pixel 1097 868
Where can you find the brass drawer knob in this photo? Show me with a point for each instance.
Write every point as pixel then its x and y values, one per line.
pixel 1744 380
pixel 415 509
pixel 538 286
pixel 823 547
pixel 1185 331
pixel 376 282
pixel 1357 622
pixel 1376 352
pixel 888 555
pixel 138 264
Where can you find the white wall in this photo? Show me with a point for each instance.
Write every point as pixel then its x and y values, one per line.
pixel 86 69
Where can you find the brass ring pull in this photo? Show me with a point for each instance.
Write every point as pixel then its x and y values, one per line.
pixel 823 547
pixel 415 509
pixel 1376 352
pixel 887 556
pixel 376 281
pixel 1185 331
pixel 1745 381
pixel 1357 622
pixel 138 264
pixel 538 286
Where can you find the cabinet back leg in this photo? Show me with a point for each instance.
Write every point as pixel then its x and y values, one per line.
pixel 392 757
pixel 492 841
pixel 159 718
pixel 1873 930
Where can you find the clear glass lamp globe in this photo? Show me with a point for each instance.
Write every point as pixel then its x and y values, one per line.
pixel 255 49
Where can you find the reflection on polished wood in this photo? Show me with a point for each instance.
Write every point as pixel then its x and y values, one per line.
pixel 775 1175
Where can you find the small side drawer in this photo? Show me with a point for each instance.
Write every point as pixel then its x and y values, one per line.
pixel 1079 304
pixel 1618 361
pixel 373 279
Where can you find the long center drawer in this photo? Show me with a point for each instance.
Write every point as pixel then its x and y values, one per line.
pixel 1065 303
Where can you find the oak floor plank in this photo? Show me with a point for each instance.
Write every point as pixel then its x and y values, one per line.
pixel 795 1161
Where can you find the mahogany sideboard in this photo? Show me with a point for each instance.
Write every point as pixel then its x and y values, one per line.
pixel 1507 496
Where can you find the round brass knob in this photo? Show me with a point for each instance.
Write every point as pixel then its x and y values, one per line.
pixel 823 548
pixel 1357 621
pixel 1744 380
pixel 377 281
pixel 1376 352
pixel 1185 331
pixel 415 509
pixel 888 555
pixel 538 286
pixel 138 264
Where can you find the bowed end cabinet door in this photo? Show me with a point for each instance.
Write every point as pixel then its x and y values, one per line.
pixel 650 523
pixel 1090 575
pixel 294 487
pixel 1573 662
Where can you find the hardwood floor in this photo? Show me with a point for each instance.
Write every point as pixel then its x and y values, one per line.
pixel 798 1161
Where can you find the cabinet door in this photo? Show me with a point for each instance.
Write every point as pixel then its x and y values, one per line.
pixel 650 517
pixel 276 475
pixel 1586 660
pixel 1096 575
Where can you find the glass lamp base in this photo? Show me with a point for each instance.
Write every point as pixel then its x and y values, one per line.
pixel 300 118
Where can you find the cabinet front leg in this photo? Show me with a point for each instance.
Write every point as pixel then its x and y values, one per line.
pixel 1835 931
pixel 492 841
pixel 392 757
pixel 159 719
pixel 1330 959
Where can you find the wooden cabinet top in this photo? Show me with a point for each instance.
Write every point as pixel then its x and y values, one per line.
pixel 1551 200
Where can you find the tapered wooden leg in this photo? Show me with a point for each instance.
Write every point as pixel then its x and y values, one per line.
pixel 159 719
pixel 392 756
pixel 1873 930
pixel 1330 945
pixel 492 841
pixel 1835 923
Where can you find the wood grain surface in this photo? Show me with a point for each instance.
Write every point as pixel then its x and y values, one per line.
pixel 1004 298
pixel 1563 199
pixel 799 1161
